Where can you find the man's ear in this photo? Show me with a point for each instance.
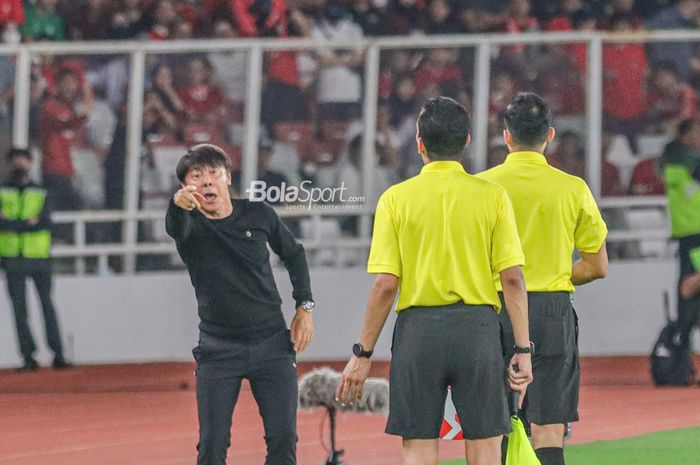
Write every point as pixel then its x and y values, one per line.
pixel 421 147
pixel 469 139
pixel 551 134
pixel 507 137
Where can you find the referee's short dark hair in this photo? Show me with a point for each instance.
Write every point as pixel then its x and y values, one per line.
pixel 200 156
pixel 443 126
pixel 528 119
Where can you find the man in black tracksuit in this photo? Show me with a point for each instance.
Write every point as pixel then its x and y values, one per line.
pixel 25 248
pixel 243 334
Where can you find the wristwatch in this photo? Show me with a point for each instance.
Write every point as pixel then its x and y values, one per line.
pixel 359 351
pixel 308 305
pixel 525 350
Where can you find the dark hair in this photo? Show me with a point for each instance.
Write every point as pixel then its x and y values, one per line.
pixel 687 125
pixel 200 156
pixel 666 66
pixel 18 152
pixel 528 119
pixel 64 72
pixel 443 126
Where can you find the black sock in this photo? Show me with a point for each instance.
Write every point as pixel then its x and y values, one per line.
pixel 550 455
pixel 504 449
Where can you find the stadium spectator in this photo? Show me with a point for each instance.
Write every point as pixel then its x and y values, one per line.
pixel 229 69
pixel 620 7
pixel 62 119
pixel 562 19
pixel 182 29
pixel 202 101
pixel 647 178
pixel 128 21
pixel 11 17
pixel 483 15
pixel 339 80
pixel 437 70
pixel 521 18
pixel 284 97
pixel 670 100
pixel 260 18
pixel 569 155
pixel 682 15
pixel 611 182
pixel 89 20
pixel 163 18
pixel 501 93
pixel 42 22
pixel 441 18
pixel 624 69
pixel 372 20
pixel 269 176
pixel 578 53
pixel 406 17
pixel 163 107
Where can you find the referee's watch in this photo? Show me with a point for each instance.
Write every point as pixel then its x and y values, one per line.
pixel 525 350
pixel 359 351
pixel 308 305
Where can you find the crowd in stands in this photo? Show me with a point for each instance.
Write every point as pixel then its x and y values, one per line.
pixel 311 105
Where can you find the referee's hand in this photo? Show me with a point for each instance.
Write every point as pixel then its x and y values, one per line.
pixel 520 372
pixel 188 198
pixel 354 376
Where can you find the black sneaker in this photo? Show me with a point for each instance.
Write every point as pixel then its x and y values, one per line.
pixel 59 363
pixel 29 366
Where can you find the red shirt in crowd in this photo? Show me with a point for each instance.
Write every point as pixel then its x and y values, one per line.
pixel 611 186
pixel 246 21
pixel 647 179
pixel 59 127
pixel 202 102
pixel 682 105
pixel 518 26
pixel 428 76
pixel 624 67
pixel 11 11
pixel 282 67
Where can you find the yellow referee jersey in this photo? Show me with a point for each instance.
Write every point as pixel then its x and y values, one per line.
pixel 555 212
pixel 443 233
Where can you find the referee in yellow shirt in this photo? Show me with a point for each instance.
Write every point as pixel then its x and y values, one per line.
pixel 555 213
pixel 441 235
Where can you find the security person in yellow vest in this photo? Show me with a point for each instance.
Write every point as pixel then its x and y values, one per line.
pixel 25 248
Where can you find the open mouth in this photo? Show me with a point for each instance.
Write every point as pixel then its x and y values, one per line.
pixel 210 197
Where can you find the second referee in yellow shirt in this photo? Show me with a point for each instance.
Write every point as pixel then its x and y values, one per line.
pixel 441 235
pixel 555 213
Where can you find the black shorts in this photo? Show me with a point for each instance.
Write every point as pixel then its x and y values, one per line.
pixel 553 395
pixel 435 347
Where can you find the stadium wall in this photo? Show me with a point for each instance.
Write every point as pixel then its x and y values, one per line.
pixel 140 318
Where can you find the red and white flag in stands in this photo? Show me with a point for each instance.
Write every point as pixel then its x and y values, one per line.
pixel 451 428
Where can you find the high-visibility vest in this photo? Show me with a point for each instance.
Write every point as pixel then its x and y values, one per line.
pixel 24 205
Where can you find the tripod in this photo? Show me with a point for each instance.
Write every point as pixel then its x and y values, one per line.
pixel 334 456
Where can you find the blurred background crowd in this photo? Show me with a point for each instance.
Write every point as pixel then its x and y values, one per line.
pixel 311 104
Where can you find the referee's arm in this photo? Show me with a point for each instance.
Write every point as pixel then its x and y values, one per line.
pixel 381 299
pixel 590 266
